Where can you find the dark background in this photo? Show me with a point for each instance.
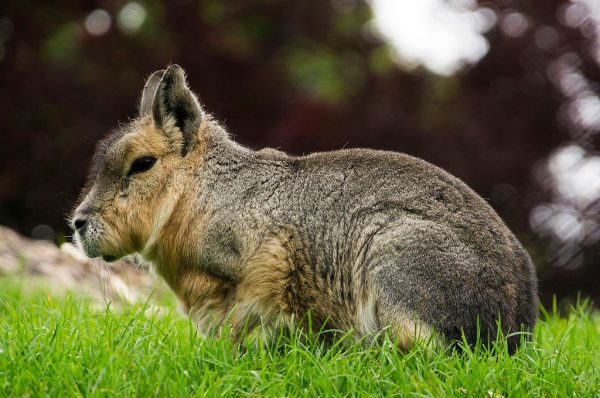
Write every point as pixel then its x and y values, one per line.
pixel 519 126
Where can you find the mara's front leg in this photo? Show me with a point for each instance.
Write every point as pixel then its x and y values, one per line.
pixel 216 305
pixel 206 300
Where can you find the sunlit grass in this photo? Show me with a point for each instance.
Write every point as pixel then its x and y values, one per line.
pixel 67 347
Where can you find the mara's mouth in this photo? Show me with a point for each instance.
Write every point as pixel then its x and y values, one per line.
pixel 109 258
pixel 93 251
pixel 91 244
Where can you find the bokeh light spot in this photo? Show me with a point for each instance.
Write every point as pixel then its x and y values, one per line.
pixel 442 36
pixel 131 17
pixel 546 38
pixel 98 22
pixel 43 232
pixel 514 24
pixel 572 15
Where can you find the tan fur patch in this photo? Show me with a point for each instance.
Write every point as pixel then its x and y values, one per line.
pixel 205 299
pixel 407 331
pixel 366 316
pixel 511 290
pixel 260 294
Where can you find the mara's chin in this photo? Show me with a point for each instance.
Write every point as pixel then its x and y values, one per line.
pixel 92 251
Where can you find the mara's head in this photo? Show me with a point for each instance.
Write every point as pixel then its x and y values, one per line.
pixel 137 170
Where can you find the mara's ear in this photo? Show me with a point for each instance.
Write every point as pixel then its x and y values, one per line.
pixel 175 103
pixel 149 91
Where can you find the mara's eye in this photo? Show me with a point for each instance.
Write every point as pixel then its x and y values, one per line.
pixel 142 164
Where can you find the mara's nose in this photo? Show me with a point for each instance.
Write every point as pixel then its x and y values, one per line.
pixel 80 224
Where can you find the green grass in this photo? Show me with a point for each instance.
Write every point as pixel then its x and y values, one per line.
pixel 67 347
